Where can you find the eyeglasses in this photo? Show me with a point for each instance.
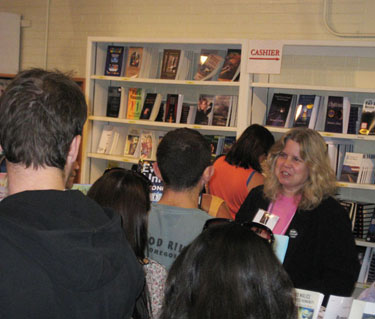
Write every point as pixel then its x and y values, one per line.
pixel 127 171
pixel 260 229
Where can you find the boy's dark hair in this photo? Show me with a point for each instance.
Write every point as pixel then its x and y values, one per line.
pixel 255 141
pixel 182 156
pixel 40 114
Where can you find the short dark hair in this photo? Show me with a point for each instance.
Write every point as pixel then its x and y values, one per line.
pixel 255 141
pixel 182 156
pixel 228 272
pixel 128 194
pixel 40 114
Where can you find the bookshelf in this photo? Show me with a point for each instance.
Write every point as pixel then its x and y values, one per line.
pixel 93 164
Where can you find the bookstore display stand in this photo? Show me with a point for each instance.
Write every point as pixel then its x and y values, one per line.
pixel 97 84
pixel 324 68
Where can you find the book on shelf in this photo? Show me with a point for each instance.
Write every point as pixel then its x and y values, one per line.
pixel 150 62
pixel 338 307
pixel 308 303
pixel 173 108
pixel 123 103
pixel 148 145
pixel 132 144
pixel 231 66
pixel 222 110
pixel 204 110
pixel 370 237
pixel 105 141
pixel 113 101
pixel 171 59
pixel 233 114
pixel 307 110
pixel 151 106
pixel 362 310
pixel 228 142
pixel 355 118
pixel 118 140
pixel 185 65
pixel 367 122
pixel 114 60
pixel 351 167
pixel 188 112
pixel 135 103
pixel 337 114
pixel 134 62
pixel 336 153
pixel 160 116
pixel 156 189
pixel 281 110
pixel 209 64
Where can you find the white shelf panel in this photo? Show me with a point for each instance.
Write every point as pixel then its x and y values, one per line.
pixel 267 85
pixel 156 125
pixel 328 134
pixel 162 81
pixel 117 158
pixel 364 243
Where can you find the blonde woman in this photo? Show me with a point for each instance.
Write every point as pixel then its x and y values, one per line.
pixel 298 191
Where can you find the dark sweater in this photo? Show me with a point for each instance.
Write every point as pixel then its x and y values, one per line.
pixel 63 256
pixel 321 254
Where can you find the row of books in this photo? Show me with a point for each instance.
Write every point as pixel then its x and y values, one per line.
pixel 323 113
pixel 358 168
pixel 336 152
pixel 136 104
pixel 309 305
pixel 133 142
pixel 175 64
pixel 141 143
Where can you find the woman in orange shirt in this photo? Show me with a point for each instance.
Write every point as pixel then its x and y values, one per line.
pixel 239 171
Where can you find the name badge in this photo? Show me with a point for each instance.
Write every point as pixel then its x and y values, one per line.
pixel 266 218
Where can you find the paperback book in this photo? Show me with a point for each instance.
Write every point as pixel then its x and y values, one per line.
pixel 307 110
pixel 231 66
pixel 173 108
pixel 222 110
pixel 113 101
pixel 105 140
pixel 134 62
pixel 114 60
pixel 147 169
pixel 281 108
pixel 204 110
pixel 308 303
pixel 367 126
pixel 151 106
pixel 132 143
pixel 171 59
pixel 148 145
pixel 337 116
pixel 210 62
pixel 135 103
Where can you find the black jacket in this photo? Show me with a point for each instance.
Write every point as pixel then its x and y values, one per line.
pixel 63 256
pixel 321 254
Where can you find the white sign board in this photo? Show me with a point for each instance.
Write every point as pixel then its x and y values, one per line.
pixel 265 56
pixel 10 33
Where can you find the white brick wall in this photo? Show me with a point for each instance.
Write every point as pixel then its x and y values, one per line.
pixel 71 21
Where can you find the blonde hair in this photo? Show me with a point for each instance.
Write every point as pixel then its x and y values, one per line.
pixel 321 181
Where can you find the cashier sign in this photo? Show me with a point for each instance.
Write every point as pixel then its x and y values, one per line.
pixel 265 56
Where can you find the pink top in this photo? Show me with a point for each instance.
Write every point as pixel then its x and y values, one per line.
pixel 284 207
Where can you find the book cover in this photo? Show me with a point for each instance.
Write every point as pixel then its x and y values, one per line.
pixel 221 110
pixel 185 113
pixel 147 169
pixel 308 303
pixel 337 116
pixel 132 143
pixel 355 118
pixel 133 62
pixel 105 140
pixel 210 62
pixel 367 126
pixel 171 59
pixel 306 110
pixel 228 142
pixel 171 107
pixel 204 110
pixel 114 60
pixel 231 65
pixel 280 107
pixel 123 103
pixel 351 167
pixel 151 106
pixel 160 116
pixel 148 145
pixel 135 100
pixel 338 307
pixel 362 310
pixel 113 101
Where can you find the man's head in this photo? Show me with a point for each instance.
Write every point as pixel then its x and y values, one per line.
pixel 40 114
pixel 182 157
